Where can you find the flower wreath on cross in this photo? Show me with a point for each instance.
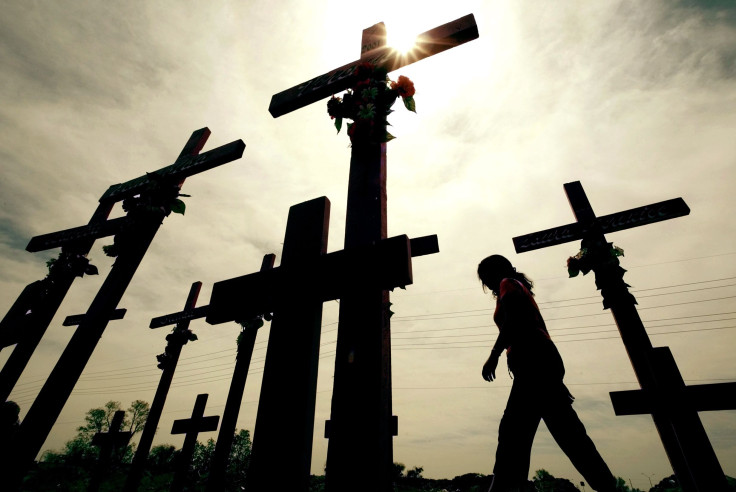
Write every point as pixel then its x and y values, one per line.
pixel 368 103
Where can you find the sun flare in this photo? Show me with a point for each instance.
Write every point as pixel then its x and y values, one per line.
pixel 402 40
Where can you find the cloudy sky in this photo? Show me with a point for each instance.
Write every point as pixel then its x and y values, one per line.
pixel 636 100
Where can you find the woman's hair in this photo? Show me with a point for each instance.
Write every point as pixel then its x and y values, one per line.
pixel 497 265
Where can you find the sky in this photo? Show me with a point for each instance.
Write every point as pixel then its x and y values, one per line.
pixel 636 100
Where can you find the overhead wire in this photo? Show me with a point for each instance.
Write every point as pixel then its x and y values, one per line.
pixel 131 373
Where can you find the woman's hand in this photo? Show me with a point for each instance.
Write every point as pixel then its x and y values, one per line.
pixel 489 368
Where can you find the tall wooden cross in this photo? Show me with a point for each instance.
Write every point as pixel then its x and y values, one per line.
pixel 167 363
pixel 361 425
pixel 663 393
pixel 108 442
pixel 158 188
pixel 246 343
pixel 28 319
pixel 294 292
pixel 191 427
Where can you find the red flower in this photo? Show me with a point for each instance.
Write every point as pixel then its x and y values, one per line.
pixel 364 70
pixel 405 86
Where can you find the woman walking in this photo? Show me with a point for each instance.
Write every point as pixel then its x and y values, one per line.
pixel 538 392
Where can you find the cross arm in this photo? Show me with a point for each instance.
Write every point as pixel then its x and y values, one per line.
pixel 90 231
pixel 700 397
pixel 116 440
pixel 203 424
pixel 173 318
pixel 385 265
pixel 429 43
pixel 619 221
pixel 184 167
pixel 76 319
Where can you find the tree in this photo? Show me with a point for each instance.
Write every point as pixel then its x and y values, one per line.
pixel 415 472
pixel 162 459
pixel 544 481
pixel 622 487
pixel 79 450
pixel 237 465
pixel 397 471
pixel 138 414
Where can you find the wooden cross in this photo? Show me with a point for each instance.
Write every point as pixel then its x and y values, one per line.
pixel 167 363
pixel 30 316
pixel 48 405
pixel 191 427
pixel 663 392
pixel 374 51
pixel 114 438
pixel 108 442
pixel 246 343
pixel 294 292
pixel 361 424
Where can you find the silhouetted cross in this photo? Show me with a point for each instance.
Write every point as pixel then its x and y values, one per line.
pixel 663 392
pixel 191 427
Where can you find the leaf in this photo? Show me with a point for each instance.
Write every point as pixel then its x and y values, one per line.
pixel 369 94
pixel 338 124
pixel 389 137
pixel 110 250
pixel 91 270
pixel 182 194
pixel 410 104
pixel 573 272
pixel 178 207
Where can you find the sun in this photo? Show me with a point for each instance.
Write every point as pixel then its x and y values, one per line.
pixel 402 40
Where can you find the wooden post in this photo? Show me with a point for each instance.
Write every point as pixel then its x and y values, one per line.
pixel 246 342
pixel 361 425
pixel 108 442
pixel 167 363
pixel 159 187
pixel 191 427
pixel 685 441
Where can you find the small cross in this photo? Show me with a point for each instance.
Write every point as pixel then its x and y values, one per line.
pixel 191 427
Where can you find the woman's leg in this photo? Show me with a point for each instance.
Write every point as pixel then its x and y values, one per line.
pixel 569 432
pixel 515 436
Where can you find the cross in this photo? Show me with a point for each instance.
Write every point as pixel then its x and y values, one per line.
pixel 108 442
pixel 167 363
pixel 30 316
pixel 663 392
pixel 191 427
pixel 160 186
pixel 294 292
pixel 362 425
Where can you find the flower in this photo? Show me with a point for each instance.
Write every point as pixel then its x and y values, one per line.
pixel 586 260
pixel 404 86
pixel 368 103
pixel 333 107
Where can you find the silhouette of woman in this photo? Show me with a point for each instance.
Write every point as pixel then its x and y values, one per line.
pixel 538 391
